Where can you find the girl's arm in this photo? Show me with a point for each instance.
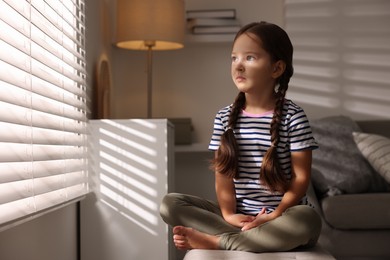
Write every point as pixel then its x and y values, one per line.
pixel 300 178
pixel 224 187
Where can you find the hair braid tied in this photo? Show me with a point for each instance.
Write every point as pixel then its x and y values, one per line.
pixel 226 160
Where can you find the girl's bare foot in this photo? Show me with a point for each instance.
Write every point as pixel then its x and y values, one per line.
pixel 189 238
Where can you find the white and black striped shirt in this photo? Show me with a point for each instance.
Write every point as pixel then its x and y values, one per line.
pixel 252 133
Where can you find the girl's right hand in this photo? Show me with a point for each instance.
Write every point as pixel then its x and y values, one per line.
pixel 239 220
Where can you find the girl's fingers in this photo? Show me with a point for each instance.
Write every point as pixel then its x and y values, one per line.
pixel 249 219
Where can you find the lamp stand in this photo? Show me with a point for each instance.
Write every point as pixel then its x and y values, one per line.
pixel 149 45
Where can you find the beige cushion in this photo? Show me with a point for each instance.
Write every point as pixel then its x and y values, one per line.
pixel 376 149
pixel 316 253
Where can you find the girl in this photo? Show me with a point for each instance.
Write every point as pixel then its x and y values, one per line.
pixel 262 163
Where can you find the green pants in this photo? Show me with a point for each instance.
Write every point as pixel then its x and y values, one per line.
pixel 299 226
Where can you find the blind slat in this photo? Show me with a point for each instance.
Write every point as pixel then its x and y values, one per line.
pixel 18 21
pixel 14 76
pixel 16 191
pixel 23 98
pixel 12 55
pixel 16 209
pixel 46 168
pixel 54 31
pixel 20 190
pixel 17 171
pixel 54 48
pixel 20 152
pixel 22 134
pixel 57 182
pixel 57 197
pixel 15 114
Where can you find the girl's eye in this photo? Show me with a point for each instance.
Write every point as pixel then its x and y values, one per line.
pixel 234 58
pixel 250 58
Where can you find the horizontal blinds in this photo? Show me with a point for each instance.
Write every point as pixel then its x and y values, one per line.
pixel 341 56
pixel 42 106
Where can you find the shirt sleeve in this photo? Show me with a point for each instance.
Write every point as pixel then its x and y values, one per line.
pixel 218 130
pixel 300 133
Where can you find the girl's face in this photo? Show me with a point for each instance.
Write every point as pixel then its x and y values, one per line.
pixel 252 69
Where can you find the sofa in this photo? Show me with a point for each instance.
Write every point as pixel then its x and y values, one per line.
pixel 350 187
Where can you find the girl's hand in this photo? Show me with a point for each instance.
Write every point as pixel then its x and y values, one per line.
pixel 239 220
pixel 261 218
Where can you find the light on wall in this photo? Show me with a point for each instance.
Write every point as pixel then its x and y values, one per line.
pixel 149 25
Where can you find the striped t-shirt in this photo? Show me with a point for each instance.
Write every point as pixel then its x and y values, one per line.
pixel 253 136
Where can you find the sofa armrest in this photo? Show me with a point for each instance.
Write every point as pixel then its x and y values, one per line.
pixel 357 211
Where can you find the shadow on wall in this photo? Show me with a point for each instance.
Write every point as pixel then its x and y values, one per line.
pixel 130 176
pixel 342 56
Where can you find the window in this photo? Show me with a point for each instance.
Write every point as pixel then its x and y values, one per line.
pixel 43 121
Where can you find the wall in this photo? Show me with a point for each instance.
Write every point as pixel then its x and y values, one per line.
pixel 131 163
pixel 99 15
pixel 51 236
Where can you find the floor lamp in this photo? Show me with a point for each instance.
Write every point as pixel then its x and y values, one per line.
pixel 150 25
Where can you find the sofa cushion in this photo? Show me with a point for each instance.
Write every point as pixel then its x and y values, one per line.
pixel 305 254
pixel 358 211
pixel 376 149
pixel 338 165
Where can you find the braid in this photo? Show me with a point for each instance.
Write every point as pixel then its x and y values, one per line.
pixel 271 173
pixel 238 105
pixel 226 161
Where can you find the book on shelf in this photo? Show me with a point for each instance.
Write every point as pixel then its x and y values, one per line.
pixel 194 22
pixel 211 38
pixel 216 13
pixel 215 29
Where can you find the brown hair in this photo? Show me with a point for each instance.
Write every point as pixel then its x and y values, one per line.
pixel 277 44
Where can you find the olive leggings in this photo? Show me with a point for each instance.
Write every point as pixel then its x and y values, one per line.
pixel 299 226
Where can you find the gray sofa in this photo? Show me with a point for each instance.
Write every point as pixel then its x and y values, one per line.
pixel 355 210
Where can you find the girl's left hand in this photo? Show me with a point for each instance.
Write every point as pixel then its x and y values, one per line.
pixel 261 218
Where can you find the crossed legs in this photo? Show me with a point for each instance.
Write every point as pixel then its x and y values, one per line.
pixel 198 223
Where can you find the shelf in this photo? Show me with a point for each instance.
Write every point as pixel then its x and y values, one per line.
pixel 209 38
pixel 192 148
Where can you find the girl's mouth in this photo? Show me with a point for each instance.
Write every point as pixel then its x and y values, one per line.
pixel 240 78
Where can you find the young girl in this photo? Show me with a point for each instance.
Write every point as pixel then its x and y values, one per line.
pixel 262 163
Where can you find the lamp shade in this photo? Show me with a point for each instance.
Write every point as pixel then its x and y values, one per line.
pixel 157 23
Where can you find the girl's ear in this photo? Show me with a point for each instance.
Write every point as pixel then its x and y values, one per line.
pixel 279 68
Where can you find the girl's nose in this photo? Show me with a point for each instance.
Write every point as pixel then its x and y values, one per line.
pixel 239 67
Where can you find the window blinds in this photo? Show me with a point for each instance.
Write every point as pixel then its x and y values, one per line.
pixel 341 56
pixel 43 139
